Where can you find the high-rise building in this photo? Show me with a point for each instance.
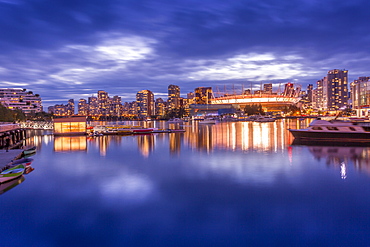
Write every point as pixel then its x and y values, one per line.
pixel 93 106
pixel 289 90
pixel 103 103
pixel 115 106
pixel 321 94
pixel 309 92
pixel 267 88
pixel 337 89
pixel 145 103
pixel 360 96
pixel 26 101
pixel 173 100
pixel 160 107
pixel 70 108
pixel 203 95
pixel 83 108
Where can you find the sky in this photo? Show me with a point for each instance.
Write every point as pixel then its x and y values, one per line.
pixel 70 49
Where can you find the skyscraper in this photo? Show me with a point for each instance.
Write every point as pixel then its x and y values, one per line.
pixel 203 95
pixel 337 89
pixel 145 103
pixel 83 108
pixel 173 100
pixel 103 102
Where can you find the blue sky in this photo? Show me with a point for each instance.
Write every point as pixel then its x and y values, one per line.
pixel 65 49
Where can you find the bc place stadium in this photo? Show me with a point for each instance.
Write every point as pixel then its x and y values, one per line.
pixel 208 102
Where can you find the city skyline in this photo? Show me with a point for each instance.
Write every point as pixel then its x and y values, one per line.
pixel 71 49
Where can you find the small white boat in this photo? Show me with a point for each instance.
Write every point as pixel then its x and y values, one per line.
pixel 29 151
pixel 208 121
pixel 12 173
pixel 263 119
pixel 175 120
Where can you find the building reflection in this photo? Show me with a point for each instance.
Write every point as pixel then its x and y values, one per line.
pixel 175 143
pixel 70 143
pixel 145 144
pixel 246 136
pixel 341 157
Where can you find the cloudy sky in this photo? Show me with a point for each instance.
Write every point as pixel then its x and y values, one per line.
pixel 70 49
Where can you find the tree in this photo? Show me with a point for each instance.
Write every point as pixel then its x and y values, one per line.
pixel 8 115
pixel 253 109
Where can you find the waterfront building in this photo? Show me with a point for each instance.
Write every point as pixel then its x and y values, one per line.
pixel 70 126
pixel 160 107
pixel 173 100
pixel 321 94
pixel 103 103
pixel 26 101
pixel 360 96
pixel 203 95
pixel 115 108
pixel 93 106
pixel 309 92
pixel 63 110
pixel 337 83
pixel 83 107
pixel 270 102
pixel 145 104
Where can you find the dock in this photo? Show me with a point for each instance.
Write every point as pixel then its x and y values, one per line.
pixel 7 157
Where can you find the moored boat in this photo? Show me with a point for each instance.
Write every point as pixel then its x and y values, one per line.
pixel 175 120
pixel 208 121
pixel 264 119
pixel 12 173
pixel 29 151
pixel 24 161
pixel 335 130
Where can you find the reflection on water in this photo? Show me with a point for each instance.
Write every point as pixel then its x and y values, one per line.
pixel 69 143
pixel 338 156
pixel 4 187
pixel 270 137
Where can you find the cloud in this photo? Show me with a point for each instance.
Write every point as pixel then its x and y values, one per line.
pixel 61 48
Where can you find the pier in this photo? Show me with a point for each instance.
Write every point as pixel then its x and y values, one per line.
pixel 7 157
pixel 14 132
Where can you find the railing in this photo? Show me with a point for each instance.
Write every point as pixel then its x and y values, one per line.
pixel 37 125
pixel 8 126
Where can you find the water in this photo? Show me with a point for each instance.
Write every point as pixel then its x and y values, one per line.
pixel 229 184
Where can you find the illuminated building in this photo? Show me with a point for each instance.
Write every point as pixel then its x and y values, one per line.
pixel 83 107
pixel 320 96
pixel 103 103
pixel 360 96
pixel 145 103
pixel 337 89
pixel 115 106
pixel 289 90
pixel 160 107
pixel 93 106
pixel 270 102
pixel 173 100
pixel 267 88
pixel 63 110
pixel 203 95
pixel 70 126
pixel 20 99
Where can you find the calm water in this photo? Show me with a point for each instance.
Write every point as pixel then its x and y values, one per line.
pixel 229 184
